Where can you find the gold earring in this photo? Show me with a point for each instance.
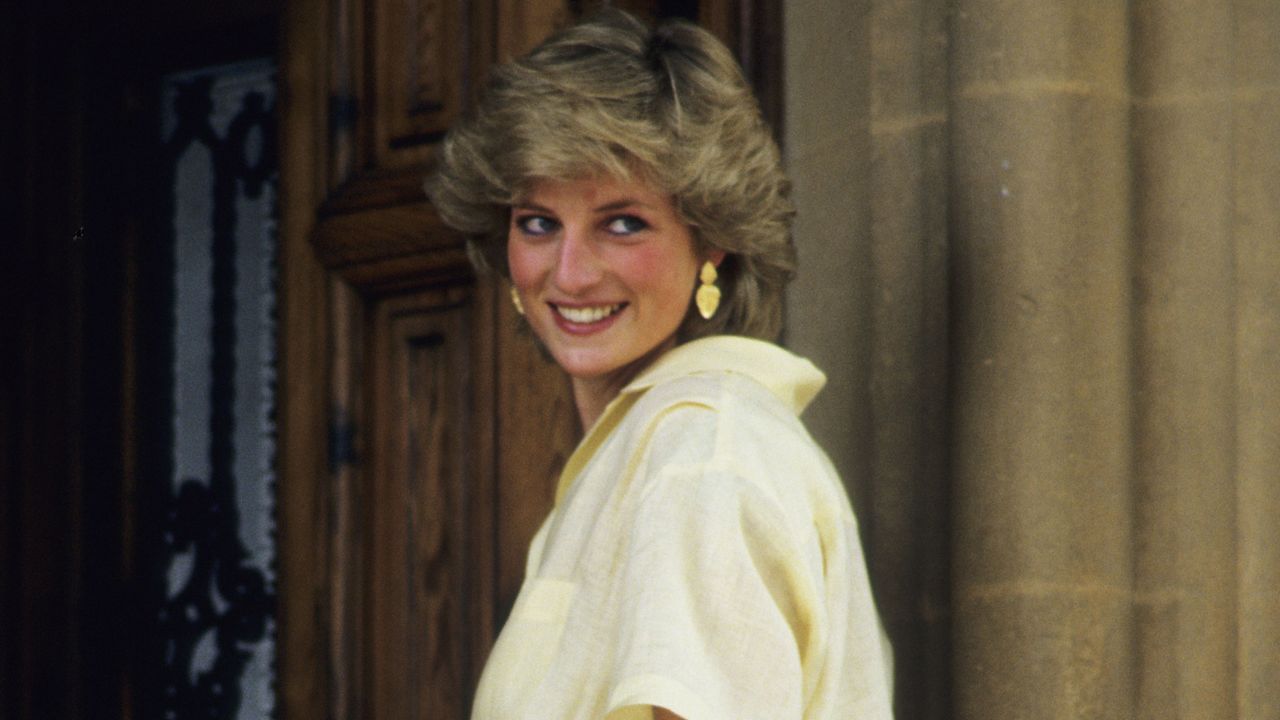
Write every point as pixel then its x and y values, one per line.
pixel 708 295
pixel 515 300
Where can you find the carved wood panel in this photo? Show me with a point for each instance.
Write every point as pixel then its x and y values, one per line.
pixel 428 594
pixel 420 59
pixel 400 72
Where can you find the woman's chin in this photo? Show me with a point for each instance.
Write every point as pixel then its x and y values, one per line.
pixel 581 365
pixel 608 361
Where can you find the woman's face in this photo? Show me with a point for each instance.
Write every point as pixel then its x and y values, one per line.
pixel 605 269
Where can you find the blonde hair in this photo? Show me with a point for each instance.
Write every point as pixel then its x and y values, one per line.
pixel 669 106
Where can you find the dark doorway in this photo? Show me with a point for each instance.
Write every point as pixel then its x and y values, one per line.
pixel 87 309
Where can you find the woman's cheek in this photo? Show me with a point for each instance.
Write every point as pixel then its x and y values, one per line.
pixel 646 265
pixel 522 262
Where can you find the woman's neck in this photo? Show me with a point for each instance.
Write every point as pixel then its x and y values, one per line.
pixel 592 395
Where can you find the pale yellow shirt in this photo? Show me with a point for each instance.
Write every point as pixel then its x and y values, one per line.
pixel 702 556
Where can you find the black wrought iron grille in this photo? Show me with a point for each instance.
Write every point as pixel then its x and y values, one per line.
pixel 218 546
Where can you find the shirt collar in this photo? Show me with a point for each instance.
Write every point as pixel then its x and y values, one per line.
pixel 792 379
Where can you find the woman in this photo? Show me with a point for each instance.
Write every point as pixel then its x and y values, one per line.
pixel 702 560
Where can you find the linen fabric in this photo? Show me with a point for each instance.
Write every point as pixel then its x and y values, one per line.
pixel 702 556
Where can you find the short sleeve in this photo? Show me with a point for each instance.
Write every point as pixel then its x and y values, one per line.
pixel 715 606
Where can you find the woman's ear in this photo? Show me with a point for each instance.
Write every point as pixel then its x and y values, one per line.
pixel 715 256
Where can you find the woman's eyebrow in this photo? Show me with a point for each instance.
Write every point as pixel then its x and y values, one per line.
pixel 531 206
pixel 611 206
pixel 621 204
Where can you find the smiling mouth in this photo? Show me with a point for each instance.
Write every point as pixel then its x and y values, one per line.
pixel 587 315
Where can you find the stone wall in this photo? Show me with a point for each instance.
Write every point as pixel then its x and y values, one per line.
pixel 1040 259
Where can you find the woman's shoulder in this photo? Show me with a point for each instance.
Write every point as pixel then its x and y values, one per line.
pixel 725 402
pixel 729 429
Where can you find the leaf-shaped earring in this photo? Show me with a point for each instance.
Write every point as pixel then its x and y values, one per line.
pixel 708 295
pixel 515 300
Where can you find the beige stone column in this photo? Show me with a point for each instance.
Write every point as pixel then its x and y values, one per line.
pixel 1041 442
pixel 1058 372
pixel 1256 227
pixel 1185 338
pixel 908 538
pixel 827 158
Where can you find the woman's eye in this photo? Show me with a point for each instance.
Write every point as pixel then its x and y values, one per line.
pixel 626 225
pixel 536 225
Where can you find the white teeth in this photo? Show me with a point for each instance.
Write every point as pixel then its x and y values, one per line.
pixel 587 314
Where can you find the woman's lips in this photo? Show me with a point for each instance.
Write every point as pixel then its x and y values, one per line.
pixel 585 319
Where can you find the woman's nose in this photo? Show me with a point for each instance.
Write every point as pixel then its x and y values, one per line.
pixel 578 267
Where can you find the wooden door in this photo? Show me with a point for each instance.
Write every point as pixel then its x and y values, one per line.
pixel 421 431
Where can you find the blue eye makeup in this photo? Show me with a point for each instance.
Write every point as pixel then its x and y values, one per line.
pixel 535 225
pixel 626 225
